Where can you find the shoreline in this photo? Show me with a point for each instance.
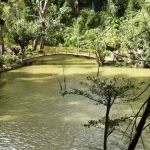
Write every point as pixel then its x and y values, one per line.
pixel 29 61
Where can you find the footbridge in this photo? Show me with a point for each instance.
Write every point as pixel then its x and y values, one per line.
pixel 53 51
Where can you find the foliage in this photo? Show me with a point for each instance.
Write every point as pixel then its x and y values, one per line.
pixel 54 27
pixel 22 32
pixel 88 19
pixel 135 5
pixel 124 25
pixel 11 59
pixel 137 31
pixel 99 90
pixel 74 35
pixel 96 42
pixel 65 14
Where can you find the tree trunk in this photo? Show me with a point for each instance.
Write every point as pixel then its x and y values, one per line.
pixel 98 68
pixel 42 12
pixel 106 124
pixel 1 40
pixel 3 49
pixel 23 53
pixel 42 42
pixel 35 44
pixel 42 31
pixel 140 126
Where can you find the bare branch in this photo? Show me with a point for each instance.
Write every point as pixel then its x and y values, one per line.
pixel 148 125
pixel 136 97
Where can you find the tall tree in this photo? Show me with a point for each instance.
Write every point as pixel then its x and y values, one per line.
pixel 22 32
pixel 1 27
pixel 39 7
pixel 42 9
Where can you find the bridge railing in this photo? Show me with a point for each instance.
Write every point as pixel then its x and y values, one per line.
pixel 47 51
pixel 68 50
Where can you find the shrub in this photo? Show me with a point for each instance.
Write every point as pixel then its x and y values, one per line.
pixel 88 19
pixel 11 59
pixel 1 61
pixel 22 32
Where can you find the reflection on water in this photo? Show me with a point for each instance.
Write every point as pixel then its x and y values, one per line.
pixel 34 116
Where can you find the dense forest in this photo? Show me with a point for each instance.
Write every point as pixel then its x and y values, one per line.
pixel 115 33
pixel 108 25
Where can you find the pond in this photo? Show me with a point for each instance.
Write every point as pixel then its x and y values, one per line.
pixel 34 116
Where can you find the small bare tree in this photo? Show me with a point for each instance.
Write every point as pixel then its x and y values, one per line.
pixel 99 48
pixel 105 92
pixel 109 92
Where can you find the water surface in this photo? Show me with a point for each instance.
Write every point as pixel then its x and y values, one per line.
pixel 34 116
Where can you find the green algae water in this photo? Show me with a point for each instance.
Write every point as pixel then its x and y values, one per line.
pixel 34 115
